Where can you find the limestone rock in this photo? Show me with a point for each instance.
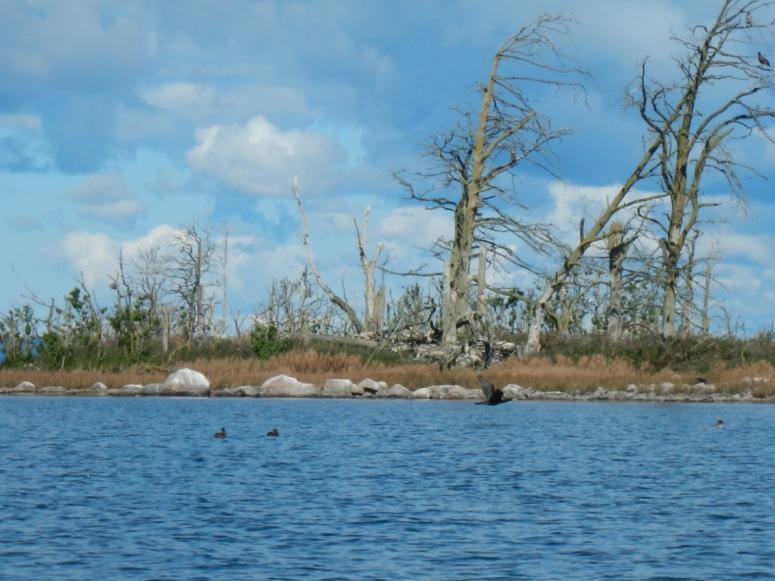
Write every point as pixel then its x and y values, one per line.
pixel 25 387
pixel 440 391
pixel 515 391
pixel 287 386
pixel 340 388
pixel 186 382
pixel 421 393
pixel 155 389
pixel 129 389
pixel 238 391
pixel 395 391
pixel 460 392
pixel 371 386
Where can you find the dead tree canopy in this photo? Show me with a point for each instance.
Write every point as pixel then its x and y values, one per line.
pixel 469 165
pixel 722 96
pixel 374 293
pixel 718 99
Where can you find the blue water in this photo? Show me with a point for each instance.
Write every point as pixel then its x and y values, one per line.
pixel 106 488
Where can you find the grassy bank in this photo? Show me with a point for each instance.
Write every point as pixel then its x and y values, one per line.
pixel 548 372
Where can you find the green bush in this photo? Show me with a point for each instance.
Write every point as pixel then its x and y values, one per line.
pixel 266 342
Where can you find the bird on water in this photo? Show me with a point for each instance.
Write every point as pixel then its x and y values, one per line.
pixel 492 395
pixel 274 433
pixel 221 434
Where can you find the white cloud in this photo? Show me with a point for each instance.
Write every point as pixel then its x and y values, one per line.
pixel 176 96
pixel 574 201
pixel 94 255
pixel 117 211
pixel 751 247
pixel 157 237
pixel 415 225
pixel 106 197
pixel 260 159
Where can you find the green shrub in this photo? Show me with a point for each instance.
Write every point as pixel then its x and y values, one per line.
pixel 266 342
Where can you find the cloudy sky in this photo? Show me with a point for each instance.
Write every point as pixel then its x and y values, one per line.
pixel 121 121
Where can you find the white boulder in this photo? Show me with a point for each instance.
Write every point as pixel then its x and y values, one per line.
pixel 340 388
pixel 186 382
pixel 459 392
pixel 287 386
pixel 371 386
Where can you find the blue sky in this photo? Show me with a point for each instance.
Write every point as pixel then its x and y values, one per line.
pixel 122 121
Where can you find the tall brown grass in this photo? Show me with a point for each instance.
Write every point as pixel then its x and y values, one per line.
pixel 559 373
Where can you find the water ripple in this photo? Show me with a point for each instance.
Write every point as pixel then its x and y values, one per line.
pixel 138 488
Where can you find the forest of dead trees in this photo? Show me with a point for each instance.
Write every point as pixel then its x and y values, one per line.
pixel 638 268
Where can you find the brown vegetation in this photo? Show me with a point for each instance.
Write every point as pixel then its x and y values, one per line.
pixel 560 373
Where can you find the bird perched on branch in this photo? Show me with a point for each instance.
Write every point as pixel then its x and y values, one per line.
pixel 749 20
pixel 492 394
pixel 763 60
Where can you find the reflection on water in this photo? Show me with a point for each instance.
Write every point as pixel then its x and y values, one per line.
pixel 139 488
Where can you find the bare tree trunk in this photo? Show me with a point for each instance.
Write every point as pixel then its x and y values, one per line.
pixel 705 315
pixel 670 265
pixel 505 130
pixel 617 250
pixel 687 306
pixel 538 314
pixel 373 307
pixel 449 316
pixel 225 315
pixel 481 286
pixel 348 311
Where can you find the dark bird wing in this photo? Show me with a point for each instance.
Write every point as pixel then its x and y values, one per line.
pixel 488 389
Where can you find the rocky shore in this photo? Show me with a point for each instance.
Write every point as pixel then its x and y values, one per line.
pixel 189 383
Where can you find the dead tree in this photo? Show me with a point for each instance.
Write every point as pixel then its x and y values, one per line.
pixel 189 266
pixel 720 97
pixel 374 294
pixel 706 288
pixel 685 139
pixel 617 245
pixel 470 164
pixel 338 301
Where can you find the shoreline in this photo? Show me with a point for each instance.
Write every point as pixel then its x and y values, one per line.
pixel 194 384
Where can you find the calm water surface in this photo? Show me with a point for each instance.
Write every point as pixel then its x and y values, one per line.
pixel 138 488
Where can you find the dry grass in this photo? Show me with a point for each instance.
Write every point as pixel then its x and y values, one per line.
pixel 758 377
pixel 313 367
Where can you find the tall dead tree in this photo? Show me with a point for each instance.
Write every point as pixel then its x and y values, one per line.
pixel 340 303
pixel 190 265
pixel 617 251
pixel 470 164
pixel 721 96
pixel 374 294
pixel 689 122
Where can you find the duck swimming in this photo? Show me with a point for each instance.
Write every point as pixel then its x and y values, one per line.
pixel 274 433
pixel 221 434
